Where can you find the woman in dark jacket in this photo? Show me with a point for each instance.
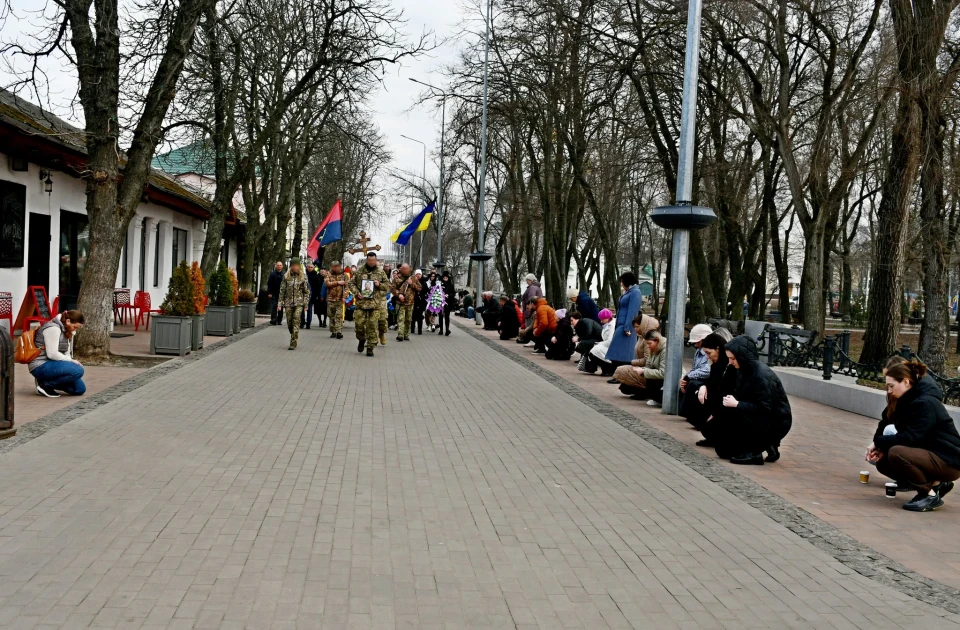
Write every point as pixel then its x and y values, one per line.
pixel 698 401
pixel 509 325
pixel 922 448
pixel 584 304
pixel 451 294
pixel 560 345
pixel 757 411
pixel 419 304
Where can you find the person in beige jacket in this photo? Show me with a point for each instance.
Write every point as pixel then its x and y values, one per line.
pixel 643 378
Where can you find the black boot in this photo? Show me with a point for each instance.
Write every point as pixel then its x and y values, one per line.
pixel 773 453
pixel 360 344
pixel 747 459
pixel 369 352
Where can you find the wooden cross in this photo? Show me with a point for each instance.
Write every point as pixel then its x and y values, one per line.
pixel 362 246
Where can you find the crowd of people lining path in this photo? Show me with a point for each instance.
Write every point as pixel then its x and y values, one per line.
pixel 733 398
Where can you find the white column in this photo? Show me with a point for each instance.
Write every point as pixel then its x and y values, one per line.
pixel 134 234
pixel 149 234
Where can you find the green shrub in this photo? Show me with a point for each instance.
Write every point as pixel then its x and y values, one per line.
pixel 179 300
pixel 221 288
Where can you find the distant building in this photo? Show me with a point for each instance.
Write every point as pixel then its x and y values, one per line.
pixel 44 233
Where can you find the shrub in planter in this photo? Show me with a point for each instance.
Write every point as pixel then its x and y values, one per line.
pixel 248 308
pixel 172 331
pixel 220 320
pixel 235 296
pixel 199 295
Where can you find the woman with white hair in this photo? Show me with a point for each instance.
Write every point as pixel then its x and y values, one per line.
pixel 528 303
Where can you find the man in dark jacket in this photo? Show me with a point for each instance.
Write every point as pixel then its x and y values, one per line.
pixel 509 324
pixel 313 277
pixel 758 410
pixel 489 311
pixel 273 292
pixel 560 345
pixel 587 332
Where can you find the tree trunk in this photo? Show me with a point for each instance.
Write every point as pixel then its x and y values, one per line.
pixel 297 221
pixel 886 285
pixel 936 252
pixel 811 280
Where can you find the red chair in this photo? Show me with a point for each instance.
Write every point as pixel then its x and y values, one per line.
pixel 40 319
pixel 6 309
pixel 142 309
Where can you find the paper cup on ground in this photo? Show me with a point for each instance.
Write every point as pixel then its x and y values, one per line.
pixel 891 490
pixel 864 476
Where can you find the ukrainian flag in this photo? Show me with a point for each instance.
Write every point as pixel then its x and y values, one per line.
pixel 420 223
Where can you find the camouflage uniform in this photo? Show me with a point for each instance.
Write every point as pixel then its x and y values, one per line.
pixel 335 295
pixel 367 313
pixel 294 295
pixel 408 288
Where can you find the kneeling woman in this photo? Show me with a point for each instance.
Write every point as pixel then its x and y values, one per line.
pixel 757 413
pixel 55 368
pixel 922 448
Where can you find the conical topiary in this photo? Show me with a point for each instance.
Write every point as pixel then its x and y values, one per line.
pixel 221 289
pixel 234 287
pixel 196 277
pixel 179 300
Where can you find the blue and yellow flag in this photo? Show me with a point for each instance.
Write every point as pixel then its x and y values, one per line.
pixel 420 223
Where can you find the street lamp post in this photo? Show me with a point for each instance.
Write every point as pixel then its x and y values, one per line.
pixel 481 256
pixel 439 208
pixel 684 216
pixel 424 177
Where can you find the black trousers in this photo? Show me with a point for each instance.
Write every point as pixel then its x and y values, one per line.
pixel 443 319
pixel 690 407
pixel 735 433
pixel 276 316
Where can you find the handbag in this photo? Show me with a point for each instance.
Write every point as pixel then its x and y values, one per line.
pixel 26 349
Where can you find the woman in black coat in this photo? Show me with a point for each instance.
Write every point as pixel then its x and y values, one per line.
pixel 451 294
pixel 699 400
pixel 916 442
pixel 756 414
pixel 419 304
pixel 560 345
pixel 509 325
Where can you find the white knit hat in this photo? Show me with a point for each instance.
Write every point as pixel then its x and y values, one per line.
pixel 700 332
pixel 572 294
pixel 418 273
pixel 530 277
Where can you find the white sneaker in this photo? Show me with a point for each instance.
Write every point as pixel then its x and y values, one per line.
pixel 48 393
pixel 529 344
pixel 652 403
pixel 576 357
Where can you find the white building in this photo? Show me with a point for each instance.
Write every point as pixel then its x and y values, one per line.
pixel 44 236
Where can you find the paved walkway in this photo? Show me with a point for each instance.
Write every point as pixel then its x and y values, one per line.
pixel 819 472
pixel 439 485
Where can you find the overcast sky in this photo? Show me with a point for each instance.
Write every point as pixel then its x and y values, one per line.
pixel 391 105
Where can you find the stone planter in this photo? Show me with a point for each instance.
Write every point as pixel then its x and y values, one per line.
pixel 248 314
pixel 199 327
pixel 171 335
pixel 219 321
pixel 236 320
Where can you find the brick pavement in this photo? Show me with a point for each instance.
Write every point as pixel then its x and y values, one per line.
pixel 440 485
pixel 819 472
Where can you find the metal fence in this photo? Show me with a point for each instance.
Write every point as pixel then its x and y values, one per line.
pixel 831 355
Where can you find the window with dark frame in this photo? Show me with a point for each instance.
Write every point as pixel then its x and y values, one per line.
pixel 179 247
pixel 13 204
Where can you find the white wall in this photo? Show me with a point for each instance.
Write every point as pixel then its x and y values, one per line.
pixel 69 194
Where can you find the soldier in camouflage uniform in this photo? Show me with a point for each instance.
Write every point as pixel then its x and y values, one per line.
pixel 405 287
pixel 336 283
pixel 367 313
pixel 294 295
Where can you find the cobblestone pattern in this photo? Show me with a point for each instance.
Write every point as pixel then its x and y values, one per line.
pixel 850 552
pixel 437 485
pixel 86 404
